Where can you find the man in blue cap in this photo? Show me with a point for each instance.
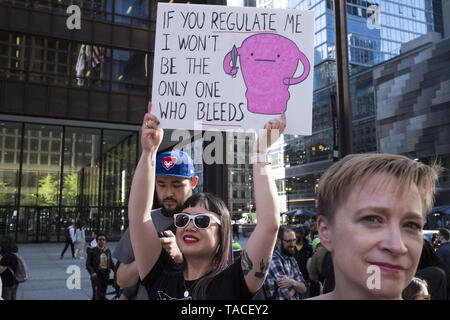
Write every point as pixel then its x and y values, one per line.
pixel 175 181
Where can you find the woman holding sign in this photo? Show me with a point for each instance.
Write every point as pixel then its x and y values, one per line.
pixel 203 231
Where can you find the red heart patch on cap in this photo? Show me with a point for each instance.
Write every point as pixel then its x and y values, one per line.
pixel 168 162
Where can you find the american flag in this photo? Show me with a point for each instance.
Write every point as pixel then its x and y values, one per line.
pixel 98 55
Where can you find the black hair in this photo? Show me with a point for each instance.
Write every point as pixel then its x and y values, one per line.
pixel 8 245
pixel 282 230
pixel 444 233
pixel 413 289
pixel 99 235
pixel 221 260
pixel 429 258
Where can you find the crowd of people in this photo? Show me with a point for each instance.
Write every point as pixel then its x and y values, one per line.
pixel 371 210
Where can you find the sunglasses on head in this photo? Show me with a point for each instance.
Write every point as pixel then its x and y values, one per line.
pixel 201 221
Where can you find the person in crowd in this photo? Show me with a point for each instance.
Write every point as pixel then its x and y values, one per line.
pixel 80 240
pixel 175 183
pixel 69 235
pixel 307 223
pixel 315 263
pixel 303 251
pixel 307 236
pixel 236 230
pixel 444 248
pixel 435 241
pixel 314 233
pixel 371 211
pixel 99 264
pixel 93 242
pixel 284 280
pixel 314 266
pixel 416 290
pixel 8 266
pixel 203 232
pixel 237 250
pixel 434 271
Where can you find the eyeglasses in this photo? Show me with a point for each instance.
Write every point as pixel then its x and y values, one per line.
pixel 290 241
pixel 101 239
pixel 201 221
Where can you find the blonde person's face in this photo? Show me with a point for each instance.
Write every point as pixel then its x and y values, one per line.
pixel 376 227
pixel 198 242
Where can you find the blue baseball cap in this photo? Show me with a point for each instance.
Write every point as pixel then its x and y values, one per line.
pixel 175 163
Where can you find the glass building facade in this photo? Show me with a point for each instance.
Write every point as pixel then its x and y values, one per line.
pixel 51 174
pixel 70 108
pixel 376 30
pixel 61 62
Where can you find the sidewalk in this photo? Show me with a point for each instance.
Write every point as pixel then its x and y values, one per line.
pixel 47 273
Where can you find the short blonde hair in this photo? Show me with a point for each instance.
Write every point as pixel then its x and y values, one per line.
pixel 340 179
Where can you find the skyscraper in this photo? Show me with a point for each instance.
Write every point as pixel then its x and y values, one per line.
pixel 376 30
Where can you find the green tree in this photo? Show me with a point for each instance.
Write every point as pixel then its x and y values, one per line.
pixel 48 190
pixel 70 189
pixel 4 193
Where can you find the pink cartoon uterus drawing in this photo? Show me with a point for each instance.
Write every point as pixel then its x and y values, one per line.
pixel 268 63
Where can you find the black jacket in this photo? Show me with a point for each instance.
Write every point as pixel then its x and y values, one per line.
pixel 302 257
pixel 93 260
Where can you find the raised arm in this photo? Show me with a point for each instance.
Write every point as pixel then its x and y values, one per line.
pixel 127 274
pixel 144 238
pixel 258 250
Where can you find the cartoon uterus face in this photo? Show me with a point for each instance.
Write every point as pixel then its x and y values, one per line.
pixel 268 63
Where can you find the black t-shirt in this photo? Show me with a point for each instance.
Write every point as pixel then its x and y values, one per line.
pixel 9 260
pixel 166 282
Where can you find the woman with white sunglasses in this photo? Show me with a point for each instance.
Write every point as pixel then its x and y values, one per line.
pixel 203 230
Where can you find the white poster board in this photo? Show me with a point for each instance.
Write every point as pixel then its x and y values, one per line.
pixel 233 68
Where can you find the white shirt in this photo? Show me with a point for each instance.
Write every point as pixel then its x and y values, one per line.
pixel 72 233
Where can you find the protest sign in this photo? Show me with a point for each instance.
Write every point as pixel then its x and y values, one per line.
pixel 230 68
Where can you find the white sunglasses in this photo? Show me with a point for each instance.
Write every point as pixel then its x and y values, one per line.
pixel 201 221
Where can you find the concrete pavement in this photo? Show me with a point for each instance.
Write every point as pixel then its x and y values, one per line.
pixel 48 274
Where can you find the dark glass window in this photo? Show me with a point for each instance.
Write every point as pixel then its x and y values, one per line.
pixel 49 60
pixel 91 66
pixel 134 12
pixel 40 178
pixel 81 167
pixel 9 161
pixel 129 71
pixel 119 159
